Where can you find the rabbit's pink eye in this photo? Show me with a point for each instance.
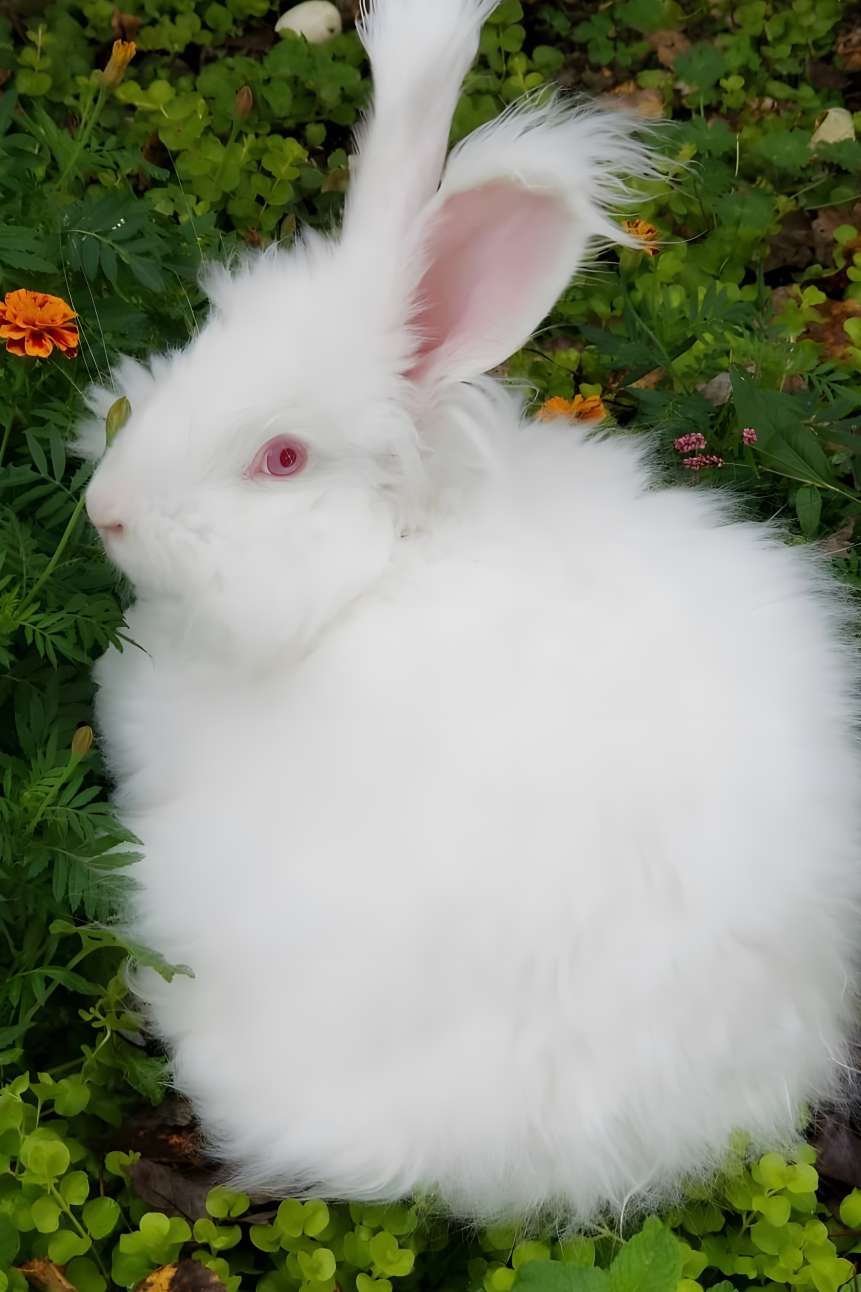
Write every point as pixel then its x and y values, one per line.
pixel 282 456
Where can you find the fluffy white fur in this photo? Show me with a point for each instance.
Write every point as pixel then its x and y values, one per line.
pixel 504 804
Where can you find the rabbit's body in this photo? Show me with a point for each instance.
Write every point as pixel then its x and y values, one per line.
pixel 526 883
pixel 504 805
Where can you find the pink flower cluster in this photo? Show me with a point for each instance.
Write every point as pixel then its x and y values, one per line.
pixel 749 435
pixel 702 460
pixel 692 443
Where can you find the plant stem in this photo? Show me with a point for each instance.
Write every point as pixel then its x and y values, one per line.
pixel 87 124
pixel 52 986
pixel 49 799
pixel 816 484
pixel 64 1207
pixel 234 126
pixel 64 1067
pixel 58 552
pixel 7 430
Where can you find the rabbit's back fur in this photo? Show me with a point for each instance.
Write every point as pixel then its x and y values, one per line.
pixel 535 878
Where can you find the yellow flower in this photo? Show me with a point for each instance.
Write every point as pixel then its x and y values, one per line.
pixel 33 323
pixel 121 55
pixel 646 233
pixel 582 408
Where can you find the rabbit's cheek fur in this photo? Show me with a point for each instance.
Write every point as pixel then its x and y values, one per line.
pixel 260 573
pixel 160 554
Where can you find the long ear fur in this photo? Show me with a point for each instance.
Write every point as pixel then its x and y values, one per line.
pixel 420 51
pixel 581 153
pixel 521 202
pixel 466 270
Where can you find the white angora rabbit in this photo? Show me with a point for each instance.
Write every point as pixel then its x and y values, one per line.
pixel 503 803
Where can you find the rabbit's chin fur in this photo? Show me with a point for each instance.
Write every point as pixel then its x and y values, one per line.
pixel 536 878
pixel 504 804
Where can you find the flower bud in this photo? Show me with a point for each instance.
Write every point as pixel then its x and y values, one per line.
pixel 118 414
pixel 243 103
pixel 121 55
pixel 82 741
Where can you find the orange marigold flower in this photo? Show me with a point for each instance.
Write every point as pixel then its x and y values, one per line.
pixel 121 55
pixel 33 323
pixel 582 408
pixel 646 233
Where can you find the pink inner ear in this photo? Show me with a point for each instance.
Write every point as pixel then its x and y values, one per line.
pixel 491 250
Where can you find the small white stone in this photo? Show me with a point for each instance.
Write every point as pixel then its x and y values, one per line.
pixel 835 126
pixel 316 20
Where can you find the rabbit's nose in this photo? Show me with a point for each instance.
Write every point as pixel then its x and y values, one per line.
pixel 104 517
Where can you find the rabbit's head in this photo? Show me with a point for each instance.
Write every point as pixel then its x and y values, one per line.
pixel 269 471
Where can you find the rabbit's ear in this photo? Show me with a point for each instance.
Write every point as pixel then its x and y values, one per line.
pixel 520 202
pixel 420 51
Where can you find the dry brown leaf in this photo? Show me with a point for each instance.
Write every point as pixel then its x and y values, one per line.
pixel 125 26
pixel 45 1275
pixel 841 541
pixel 175 1192
pixel 336 180
pixel 823 226
pixel 159 1281
pixel 253 41
pixel 187 1276
pixel 646 103
pixel 668 45
pixel 781 295
pixel 168 1133
pixel 153 150
pixel 823 75
pixel 829 331
pixel 791 245
pixel 649 380
pixel 838 1150
pixel 849 49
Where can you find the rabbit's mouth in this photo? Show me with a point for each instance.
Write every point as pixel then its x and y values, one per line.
pixel 112 537
pixel 157 554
